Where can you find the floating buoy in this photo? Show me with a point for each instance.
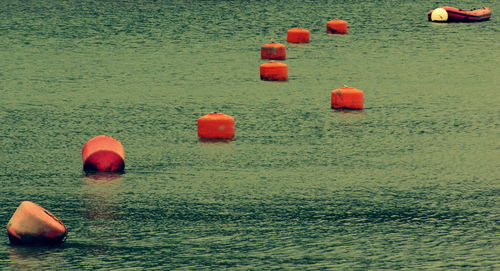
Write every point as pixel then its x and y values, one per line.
pixel 347 98
pixel 31 224
pixel 274 71
pixel 216 126
pixel 336 27
pixel 298 35
pixel 273 50
pixel 103 153
pixel 439 15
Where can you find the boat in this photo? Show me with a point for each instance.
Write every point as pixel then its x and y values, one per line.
pixel 461 15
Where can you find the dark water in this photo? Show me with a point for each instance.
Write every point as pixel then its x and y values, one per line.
pixel 409 183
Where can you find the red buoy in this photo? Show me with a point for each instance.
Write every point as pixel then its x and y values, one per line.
pixel 216 126
pixel 298 35
pixel 103 153
pixel 31 224
pixel 273 51
pixel 336 27
pixel 347 98
pixel 274 71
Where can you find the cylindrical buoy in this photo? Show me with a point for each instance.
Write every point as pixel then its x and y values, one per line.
pixel 298 35
pixel 336 27
pixel 31 224
pixel 216 126
pixel 274 71
pixel 347 98
pixel 273 51
pixel 439 15
pixel 103 153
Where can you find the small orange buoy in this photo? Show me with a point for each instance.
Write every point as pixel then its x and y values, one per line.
pixel 274 71
pixel 216 126
pixel 103 153
pixel 31 224
pixel 336 27
pixel 347 98
pixel 298 35
pixel 273 50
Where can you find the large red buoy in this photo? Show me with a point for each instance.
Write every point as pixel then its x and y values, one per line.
pixel 336 27
pixel 274 71
pixel 298 35
pixel 103 153
pixel 31 224
pixel 347 98
pixel 273 51
pixel 216 126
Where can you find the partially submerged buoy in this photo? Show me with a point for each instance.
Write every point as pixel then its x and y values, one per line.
pixel 298 35
pixel 216 126
pixel 273 51
pixel 274 71
pixel 439 15
pixel 31 224
pixel 103 153
pixel 347 98
pixel 336 27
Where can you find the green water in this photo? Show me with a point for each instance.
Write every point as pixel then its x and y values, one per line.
pixel 411 182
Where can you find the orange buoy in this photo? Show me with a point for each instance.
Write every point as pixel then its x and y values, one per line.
pixel 103 153
pixel 347 98
pixel 216 126
pixel 273 51
pixel 298 35
pixel 336 27
pixel 274 71
pixel 31 224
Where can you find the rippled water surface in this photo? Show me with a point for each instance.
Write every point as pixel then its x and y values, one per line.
pixel 411 182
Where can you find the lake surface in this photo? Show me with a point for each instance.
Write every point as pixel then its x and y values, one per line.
pixel 411 182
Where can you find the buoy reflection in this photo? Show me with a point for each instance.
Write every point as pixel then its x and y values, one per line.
pixel 102 195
